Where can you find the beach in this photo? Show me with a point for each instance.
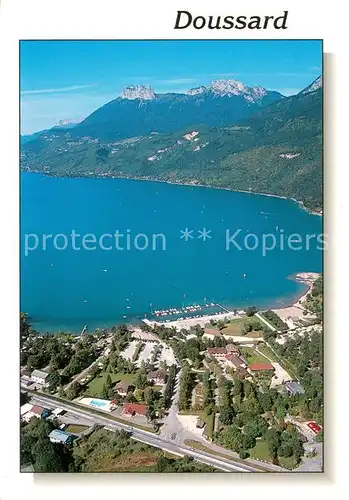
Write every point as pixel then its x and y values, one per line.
pixel 296 310
pixel 288 314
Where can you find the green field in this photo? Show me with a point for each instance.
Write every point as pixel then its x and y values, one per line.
pixel 268 352
pixel 209 420
pixel 94 388
pixel 76 429
pixel 234 328
pixel 252 356
pixel 261 452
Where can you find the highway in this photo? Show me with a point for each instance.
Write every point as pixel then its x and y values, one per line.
pixel 148 437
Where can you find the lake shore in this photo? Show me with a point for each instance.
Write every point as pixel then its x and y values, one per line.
pixel 294 310
pixel 92 175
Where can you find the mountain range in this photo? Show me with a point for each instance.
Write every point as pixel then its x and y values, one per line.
pixel 224 135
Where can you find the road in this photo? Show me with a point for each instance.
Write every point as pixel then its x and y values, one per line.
pixel 149 438
pixel 269 325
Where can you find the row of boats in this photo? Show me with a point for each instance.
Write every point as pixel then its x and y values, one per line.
pixel 185 309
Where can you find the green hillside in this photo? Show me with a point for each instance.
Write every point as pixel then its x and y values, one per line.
pixel 277 151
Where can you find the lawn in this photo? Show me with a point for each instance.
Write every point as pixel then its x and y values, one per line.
pixel 142 461
pixel 94 388
pixel 252 356
pixel 268 352
pixel 209 420
pixel 261 452
pixel 234 328
pixel 75 428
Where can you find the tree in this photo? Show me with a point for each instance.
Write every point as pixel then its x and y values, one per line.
pixel 250 311
pixel 73 390
pixel 226 416
pixel 280 413
pixel 141 380
pixel 249 441
pixel 162 463
pixel 238 388
pixel 54 380
pixel 46 458
pixel 232 438
pixel 273 439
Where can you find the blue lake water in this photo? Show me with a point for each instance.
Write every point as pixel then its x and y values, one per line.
pixel 66 289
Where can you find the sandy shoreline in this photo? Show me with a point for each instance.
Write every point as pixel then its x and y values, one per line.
pixel 296 309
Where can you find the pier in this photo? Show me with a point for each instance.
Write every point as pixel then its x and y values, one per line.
pixel 223 308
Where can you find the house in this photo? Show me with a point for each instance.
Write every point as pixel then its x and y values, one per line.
pixel 158 377
pixel 294 388
pixel 260 367
pixel 217 352
pixel 40 377
pixel 211 333
pixel 35 411
pixel 314 427
pixel 231 348
pixel 235 361
pixel 61 437
pixel 130 409
pixel 25 409
pixel 122 388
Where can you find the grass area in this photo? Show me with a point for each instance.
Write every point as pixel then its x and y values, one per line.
pixel 234 328
pixel 209 420
pixel 75 428
pixel 252 356
pixel 158 387
pixel 261 452
pixel 142 461
pixel 287 463
pixel 268 352
pixel 285 364
pixel 94 388
pixel 200 446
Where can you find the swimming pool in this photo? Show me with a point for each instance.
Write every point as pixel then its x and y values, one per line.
pixel 100 404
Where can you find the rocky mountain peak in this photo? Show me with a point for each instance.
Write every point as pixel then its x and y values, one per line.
pixel 231 88
pixel 197 90
pixel 138 92
pixel 317 84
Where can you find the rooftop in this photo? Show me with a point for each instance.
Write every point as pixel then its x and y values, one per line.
pixel 39 374
pixel 132 408
pixel 257 367
pixel 60 435
pixel 231 348
pixel 294 387
pixel 235 360
pixel 217 350
pixel 37 410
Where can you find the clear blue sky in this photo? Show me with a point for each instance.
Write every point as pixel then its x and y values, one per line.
pixel 70 79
